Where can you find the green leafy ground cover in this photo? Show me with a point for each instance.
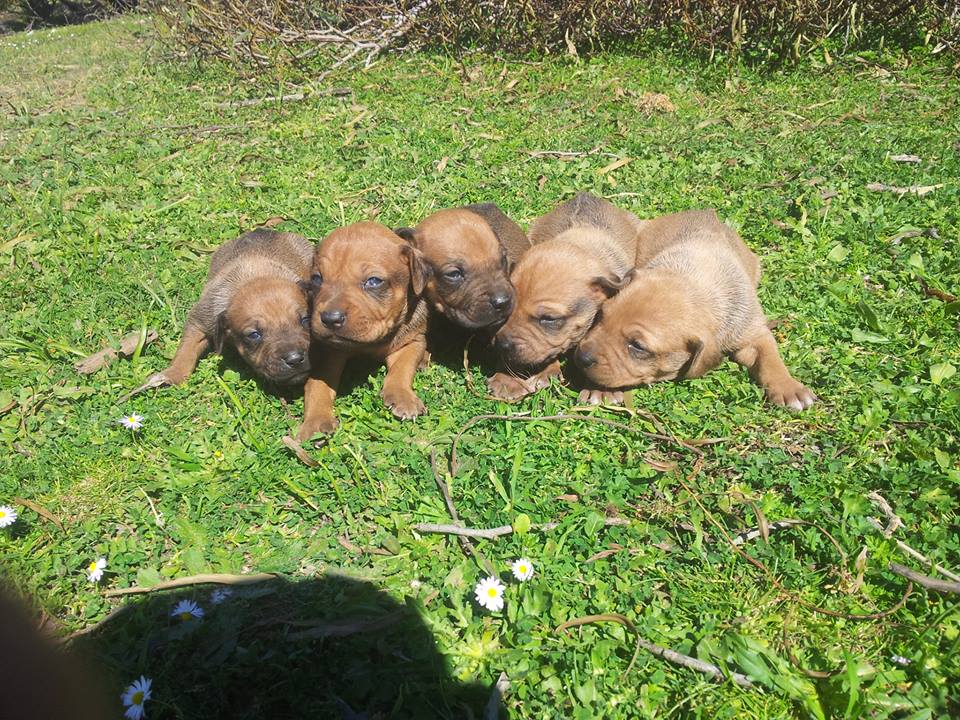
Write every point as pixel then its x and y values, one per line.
pixel 121 170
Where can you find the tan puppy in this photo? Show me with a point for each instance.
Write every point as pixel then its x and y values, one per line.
pixel 468 251
pixel 692 301
pixel 256 298
pixel 582 253
pixel 367 283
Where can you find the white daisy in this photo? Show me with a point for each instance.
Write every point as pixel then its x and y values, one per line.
pixel 489 592
pixel 522 569
pixel 131 421
pixel 187 610
pixel 95 569
pixel 8 516
pixel 135 696
pixel 219 595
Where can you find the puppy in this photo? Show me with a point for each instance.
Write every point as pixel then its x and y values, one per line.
pixel 468 251
pixel 366 285
pixel 255 298
pixel 582 253
pixel 692 300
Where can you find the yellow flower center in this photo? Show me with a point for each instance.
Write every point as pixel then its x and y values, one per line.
pixel 131 419
pixel 138 697
pixel 3 514
pixel 92 567
pixel 523 569
pixel 185 616
pixel 492 592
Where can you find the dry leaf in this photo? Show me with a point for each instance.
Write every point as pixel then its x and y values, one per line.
pixel 617 164
pixel 272 222
pixel 905 158
pixel 42 512
pixel 128 345
pixel 918 190
pixel 654 102
pixel 569 498
pixel 541 181
pixel 512 84
pixel 295 448
pixel 442 165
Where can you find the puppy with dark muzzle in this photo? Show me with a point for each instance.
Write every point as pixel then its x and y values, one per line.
pixel 582 253
pixel 468 251
pixel 366 283
pixel 692 300
pixel 256 299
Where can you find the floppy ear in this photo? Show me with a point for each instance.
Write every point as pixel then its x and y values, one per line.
pixel 219 333
pixel 610 285
pixel 408 234
pixel 419 269
pixel 703 357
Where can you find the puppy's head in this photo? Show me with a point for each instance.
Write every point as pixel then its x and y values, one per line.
pixel 268 322
pixel 559 290
pixel 468 268
pixel 652 331
pixel 365 279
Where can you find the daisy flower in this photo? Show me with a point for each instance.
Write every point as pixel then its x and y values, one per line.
pixel 95 569
pixel 135 696
pixel 522 569
pixel 489 592
pixel 219 595
pixel 131 421
pixel 8 516
pixel 187 610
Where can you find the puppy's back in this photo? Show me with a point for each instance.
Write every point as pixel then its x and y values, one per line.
pixel 586 210
pixel 510 235
pixel 288 249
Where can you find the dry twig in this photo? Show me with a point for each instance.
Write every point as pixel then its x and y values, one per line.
pixel 926 581
pixel 493 533
pixel 205 579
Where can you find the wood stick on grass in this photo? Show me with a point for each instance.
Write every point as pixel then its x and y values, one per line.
pixel 205 579
pixel 941 586
pixel 494 533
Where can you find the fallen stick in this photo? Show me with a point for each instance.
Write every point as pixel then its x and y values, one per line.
pixel 205 579
pixel 102 358
pixel 918 190
pixel 492 709
pixel 494 533
pixel 112 615
pixel 925 580
pixel 302 455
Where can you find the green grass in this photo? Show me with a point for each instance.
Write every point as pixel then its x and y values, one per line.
pixel 120 172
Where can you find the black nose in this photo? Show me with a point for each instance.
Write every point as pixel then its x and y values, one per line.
pixel 293 358
pixel 333 319
pixel 501 301
pixel 584 359
pixel 504 343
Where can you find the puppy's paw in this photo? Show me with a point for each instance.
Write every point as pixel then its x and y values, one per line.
pixel 601 397
pixel 543 378
pixel 791 394
pixel 324 424
pixel 170 376
pixel 403 403
pixel 506 387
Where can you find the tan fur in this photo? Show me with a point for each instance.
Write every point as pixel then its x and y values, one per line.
pixel 468 251
pixel 692 302
pixel 254 285
pixel 583 252
pixel 387 321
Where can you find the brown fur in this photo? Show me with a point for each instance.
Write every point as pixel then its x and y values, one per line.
pixel 352 316
pixel 692 302
pixel 582 253
pixel 256 284
pixel 468 251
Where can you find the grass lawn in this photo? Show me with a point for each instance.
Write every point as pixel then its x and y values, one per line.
pixel 120 171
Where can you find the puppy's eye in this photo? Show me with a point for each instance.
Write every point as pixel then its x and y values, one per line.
pixel 455 275
pixel 316 280
pixel 372 283
pixel 637 347
pixel 551 322
pixel 305 321
pixel 254 336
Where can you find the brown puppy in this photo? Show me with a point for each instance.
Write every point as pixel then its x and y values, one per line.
pixel 256 298
pixel 468 251
pixel 692 301
pixel 366 283
pixel 582 253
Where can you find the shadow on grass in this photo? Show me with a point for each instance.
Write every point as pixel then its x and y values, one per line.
pixel 327 647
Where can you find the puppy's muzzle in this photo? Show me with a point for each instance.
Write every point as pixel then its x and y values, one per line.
pixel 294 359
pixel 584 358
pixel 333 319
pixel 504 343
pixel 502 302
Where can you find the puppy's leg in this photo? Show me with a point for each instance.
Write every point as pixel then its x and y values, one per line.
pixel 193 344
pixel 761 357
pixel 507 387
pixel 397 392
pixel 319 393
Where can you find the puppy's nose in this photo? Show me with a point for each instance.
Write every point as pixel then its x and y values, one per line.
pixel 293 358
pixel 501 301
pixel 333 319
pixel 584 359
pixel 504 343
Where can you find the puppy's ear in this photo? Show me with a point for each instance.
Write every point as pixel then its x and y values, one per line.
pixel 306 286
pixel 219 333
pixel 408 234
pixel 703 357
pixel 419 269
pixel 610 285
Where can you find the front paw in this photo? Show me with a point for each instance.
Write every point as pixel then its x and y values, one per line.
pixel 403 403
pixel 601 397
pixel 507 387
pixel 324 424
pixel 791 394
